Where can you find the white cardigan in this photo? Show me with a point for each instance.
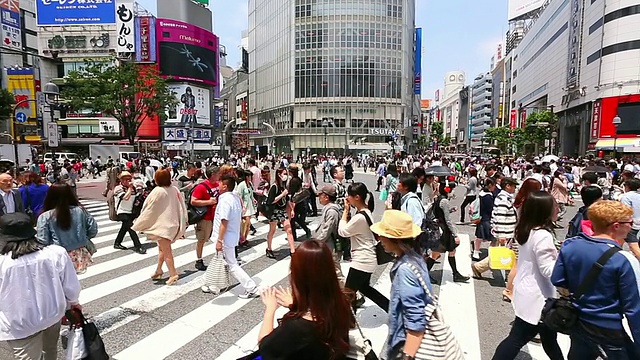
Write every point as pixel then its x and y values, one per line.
pixel 532 285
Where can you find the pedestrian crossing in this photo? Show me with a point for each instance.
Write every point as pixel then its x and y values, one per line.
pixel 142 319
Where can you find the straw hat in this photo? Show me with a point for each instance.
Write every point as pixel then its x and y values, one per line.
pixel 125 174
pixel 396 224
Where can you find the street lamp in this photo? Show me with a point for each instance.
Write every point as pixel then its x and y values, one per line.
pixel 616 122
pixel 52 98
pixel 325 124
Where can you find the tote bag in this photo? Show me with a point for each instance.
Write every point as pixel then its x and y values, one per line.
pixel 501 258
pixel 216 278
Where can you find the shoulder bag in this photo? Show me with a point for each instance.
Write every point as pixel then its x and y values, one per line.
pixel 196 213
pixel 360 347
pixel 560 314
pixel 382 256
pixel 29 210
pixel 438 342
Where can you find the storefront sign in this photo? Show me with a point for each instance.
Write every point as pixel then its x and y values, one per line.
pixel 595 119
pixel 75 12
pixel 337 111
pixel 193 105
pixel 514 119
pixel 383 132
pixel 76 43
pixel 145 39
pixel 184 134
pixel 21 83
pixel 417 76
pixel 523 118
pixel 11 31
pixel 109 127
pixel 124 26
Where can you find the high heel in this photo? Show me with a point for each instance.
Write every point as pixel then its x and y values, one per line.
pixel 172 279
pixel 156 276
pixel 270 254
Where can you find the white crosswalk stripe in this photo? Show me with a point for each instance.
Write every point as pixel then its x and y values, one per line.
pixel 142 319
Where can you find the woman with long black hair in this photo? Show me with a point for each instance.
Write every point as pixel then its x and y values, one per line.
pixel 532 285
pixel 363 243
pixel 275 210
pixel 449 240
pixel 297 211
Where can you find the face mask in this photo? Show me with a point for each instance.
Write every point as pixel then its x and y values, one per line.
pixel 284 177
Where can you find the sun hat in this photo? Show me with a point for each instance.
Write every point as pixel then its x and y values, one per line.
pixel 15 227
pixel 125 174
pixel 396 224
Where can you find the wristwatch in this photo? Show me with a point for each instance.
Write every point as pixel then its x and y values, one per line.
pixel 406 356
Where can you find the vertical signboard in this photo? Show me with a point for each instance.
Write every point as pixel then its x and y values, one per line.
pixel 10 18
pixel 575 40
pixel 417 82
pixel 21 83
pixel 125 26
pixel 145 29
pixel 523 118
pixel 513 119
pixel 595 120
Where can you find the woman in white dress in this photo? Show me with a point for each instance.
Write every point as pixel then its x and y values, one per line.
pixel 249 207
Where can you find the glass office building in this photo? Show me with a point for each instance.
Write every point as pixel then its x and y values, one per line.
pixel 331 74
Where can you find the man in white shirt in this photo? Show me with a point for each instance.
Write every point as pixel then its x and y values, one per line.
pixel 226 230
pixel 31 274
pixel 11 200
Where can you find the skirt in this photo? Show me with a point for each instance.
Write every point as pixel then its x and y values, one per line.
pixel 483 231
pixel 250 209
pixel 81 259
pixel 278 215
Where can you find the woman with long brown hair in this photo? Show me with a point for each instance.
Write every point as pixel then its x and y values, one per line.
pixel 275 210
pixel 164 220
pixel 319 318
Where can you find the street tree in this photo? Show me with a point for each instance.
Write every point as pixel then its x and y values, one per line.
pixel 126 91
pixel 501 136
pixel 437 131
pixel 7 99
pixel 539 126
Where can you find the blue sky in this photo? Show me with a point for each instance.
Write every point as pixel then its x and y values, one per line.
pixel 457 34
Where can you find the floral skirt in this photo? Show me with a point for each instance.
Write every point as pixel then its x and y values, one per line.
pixel 81 259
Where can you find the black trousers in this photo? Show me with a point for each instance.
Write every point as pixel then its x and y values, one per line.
pixel 127 222
pixel 468 200
pixel 299 218
pixel 313 203
pixel 521 333
pixel 360 281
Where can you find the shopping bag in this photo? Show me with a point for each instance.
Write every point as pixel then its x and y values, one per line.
pixel 93 344
pixel 384 194
pixel 76 349
pixel 216 278
pixel 501 258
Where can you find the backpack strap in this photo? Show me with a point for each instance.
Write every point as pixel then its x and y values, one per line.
pixel 592 275
pixel 366 216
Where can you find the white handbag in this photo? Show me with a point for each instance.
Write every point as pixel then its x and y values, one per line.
pixel 76 349
pixel 217 277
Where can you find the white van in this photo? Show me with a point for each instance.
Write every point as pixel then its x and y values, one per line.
pixel 61 157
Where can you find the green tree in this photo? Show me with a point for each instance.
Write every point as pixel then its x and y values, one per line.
pixel 7 99
pixel 127 92
pixel 501 136
pixel 446 141
pixel 539 126
pixel 437 131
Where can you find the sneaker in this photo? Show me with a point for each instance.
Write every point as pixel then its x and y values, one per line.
pixel 250 294
pixel 200 265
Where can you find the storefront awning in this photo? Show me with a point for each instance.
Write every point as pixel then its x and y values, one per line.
pixel 622 145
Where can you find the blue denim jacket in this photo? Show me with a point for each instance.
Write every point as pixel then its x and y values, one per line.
pixel 408 299
pixel 83 227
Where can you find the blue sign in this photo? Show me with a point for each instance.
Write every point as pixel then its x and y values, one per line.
pixel 10 18
pixel 75 12
pixel 217 117
pixel 417 80
pixel 21 117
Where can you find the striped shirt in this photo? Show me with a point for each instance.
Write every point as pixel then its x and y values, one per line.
pixel 503 217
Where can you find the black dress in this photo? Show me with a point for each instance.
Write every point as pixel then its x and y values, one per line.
pixel 295 339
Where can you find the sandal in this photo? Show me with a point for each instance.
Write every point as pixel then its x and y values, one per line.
pixel 172 279
pixel 156 276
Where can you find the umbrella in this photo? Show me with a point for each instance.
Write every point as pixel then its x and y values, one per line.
pixel 177 157
pixel 596 169
pixel 548 158
pixel 438 170
pixel 155 163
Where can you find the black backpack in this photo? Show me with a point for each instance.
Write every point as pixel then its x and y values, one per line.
pixel 196 213
pixel 429 238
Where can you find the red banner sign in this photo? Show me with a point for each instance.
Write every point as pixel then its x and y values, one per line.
pixel 523 118
pixel 145 39
pixel 595 119
pixel 514 119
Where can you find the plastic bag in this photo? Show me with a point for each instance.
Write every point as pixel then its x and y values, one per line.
pixel 502 258
pixel 76 349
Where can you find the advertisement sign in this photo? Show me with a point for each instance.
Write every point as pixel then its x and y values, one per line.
pixel 21 83
pixel 383 132
pixel 244 113
pixel 11 32
pixel 76 43
pixel 417 82
pixel 217 119
pixel 595 119
pixel 513 120
pixel 518 8
pixel 145 40
pixel 574 46
pixel 203 2
pixel 184 134
pixel 193 105
pixel 75 12
pixel 523 118
pixel 188 52
pixel 125 26
pixel 437 95
pixel 109 127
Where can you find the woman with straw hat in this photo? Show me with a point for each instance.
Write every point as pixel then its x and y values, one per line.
pixel 407 320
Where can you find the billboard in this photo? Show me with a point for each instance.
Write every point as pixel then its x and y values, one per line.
pixel 125 27
pixel 10 18
pixel 109 127
pixel 145 43
pixel 184 134
pixel 188 52
pixel 518 8
pixel 75 12
pixel 193 105
pixel 76 43
pixel 417 81
pixel 21 83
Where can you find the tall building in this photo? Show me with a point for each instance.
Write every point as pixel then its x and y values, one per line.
pixel 448 104
pixel 481 100
pixel 331 76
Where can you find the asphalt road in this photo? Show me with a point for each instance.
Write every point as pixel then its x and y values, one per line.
pixel 142 319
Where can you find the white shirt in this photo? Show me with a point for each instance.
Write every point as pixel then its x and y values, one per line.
pixel 9 202
pixel 46 278
pixel 532 285
pixel 363 243
pixel 123 206
pixel 229 208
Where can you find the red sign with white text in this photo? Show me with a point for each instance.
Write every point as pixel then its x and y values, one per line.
pixel 513 119
pixel 595 119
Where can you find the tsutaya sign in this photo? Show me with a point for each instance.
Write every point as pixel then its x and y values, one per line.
pixel 383 132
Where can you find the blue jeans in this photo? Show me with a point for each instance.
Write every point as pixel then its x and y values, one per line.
pixel 585 346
